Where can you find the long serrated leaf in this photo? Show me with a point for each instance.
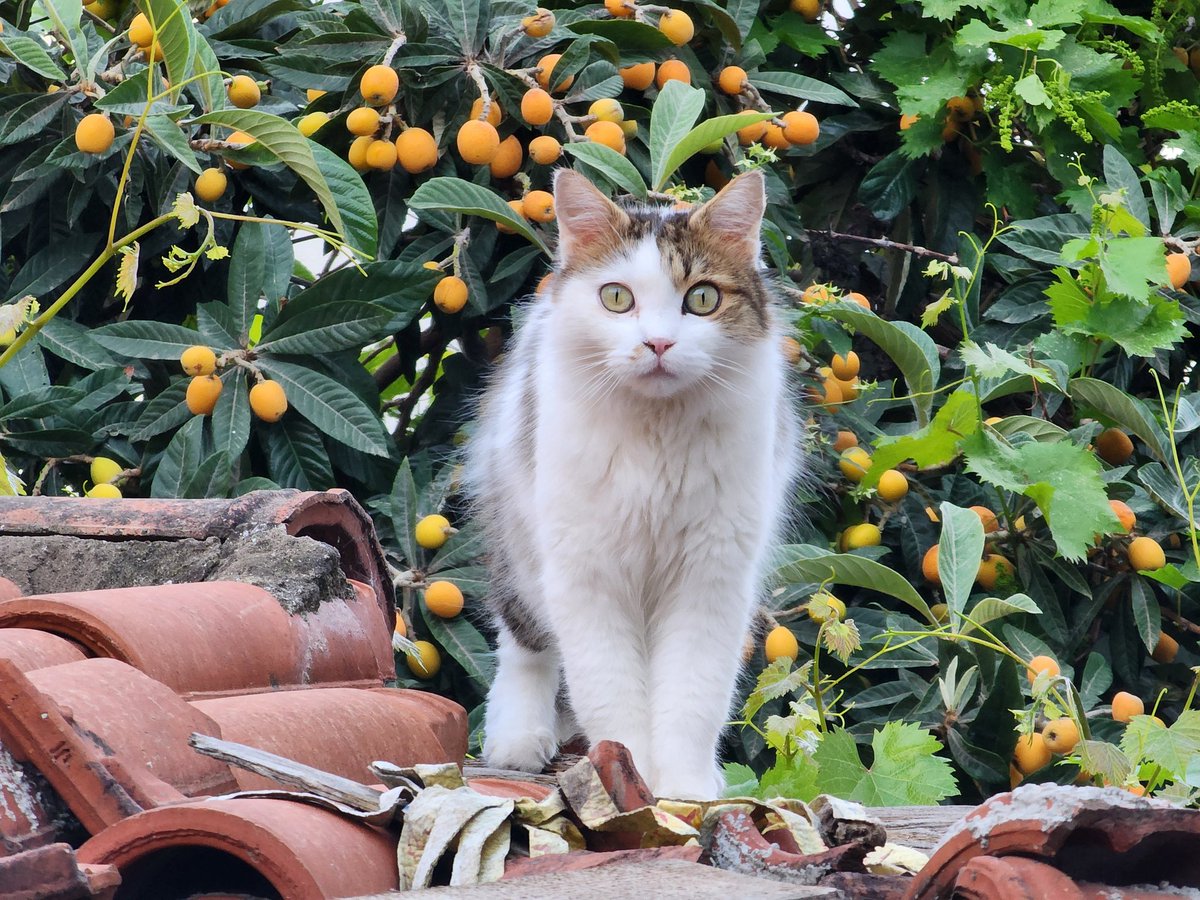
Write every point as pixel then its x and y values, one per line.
pixel 674 113
pixel 465 644
pixel 799 562
pixel 176 36
pixel 179 461
pixel 404 512
pixel 611 164
pixel 1129 412
pixel 990 609
pixel 326 329
pixel 231 417
pixel 64 17
pixel 31 54
pixel 146 340
pixel 457 195
pixel 212 478
pixel 167 134
pixel 793 84
pixel 706 133
pixel 330 406
pixel 166 411
pixel 296 456
pixel 283 140
pixel 913 351
pixel 960 549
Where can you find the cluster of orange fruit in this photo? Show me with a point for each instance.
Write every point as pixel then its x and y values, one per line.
pixel 839 381
pixel 268 400
pixel 992 567
pixel 1059 736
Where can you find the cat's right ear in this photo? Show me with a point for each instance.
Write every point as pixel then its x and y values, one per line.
pixel 588 222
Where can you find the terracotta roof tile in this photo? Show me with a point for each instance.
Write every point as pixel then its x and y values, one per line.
pixel 95 713
pixel 303 852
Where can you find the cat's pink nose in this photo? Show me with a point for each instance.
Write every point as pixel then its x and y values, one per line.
pixel 659 346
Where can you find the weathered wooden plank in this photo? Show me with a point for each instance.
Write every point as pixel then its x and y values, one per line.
pixel 662 880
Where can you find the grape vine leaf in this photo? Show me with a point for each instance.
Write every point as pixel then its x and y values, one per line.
pixel 1062 478
pixel 906 770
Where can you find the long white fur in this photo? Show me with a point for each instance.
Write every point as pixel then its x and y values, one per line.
pixel 637 531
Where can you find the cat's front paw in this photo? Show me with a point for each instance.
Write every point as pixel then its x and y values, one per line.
pixel 523 750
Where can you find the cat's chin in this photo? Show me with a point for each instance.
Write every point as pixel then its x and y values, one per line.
pixel 658 384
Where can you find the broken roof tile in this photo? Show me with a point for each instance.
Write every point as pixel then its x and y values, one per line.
pixel 242 845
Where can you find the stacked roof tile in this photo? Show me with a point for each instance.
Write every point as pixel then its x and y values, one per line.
pixel 100 690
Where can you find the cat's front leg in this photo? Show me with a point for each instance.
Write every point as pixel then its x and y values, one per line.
pixel 602 642
pixel 696 655
pixel 520 725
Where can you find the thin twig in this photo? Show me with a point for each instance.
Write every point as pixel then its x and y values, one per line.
pixel 886 244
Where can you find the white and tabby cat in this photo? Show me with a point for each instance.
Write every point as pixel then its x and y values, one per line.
pixel 631 468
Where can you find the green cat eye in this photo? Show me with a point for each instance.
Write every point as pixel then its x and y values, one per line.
pixel 702 299
pixel 616 297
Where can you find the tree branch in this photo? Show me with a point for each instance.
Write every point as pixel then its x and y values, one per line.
pixel 885 244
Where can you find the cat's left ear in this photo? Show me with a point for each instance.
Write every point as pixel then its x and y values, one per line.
pixel 735 214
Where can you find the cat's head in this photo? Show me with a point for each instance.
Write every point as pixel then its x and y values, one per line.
pixel 656 300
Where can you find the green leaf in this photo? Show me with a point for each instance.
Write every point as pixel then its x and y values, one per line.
pixel 1146 614
pixel 465 644
pixel 296 456
pixel 1132 266
pixel 146 340
pixel 1063 479
pixel 404 513
pixel 129 99
pixel 704 134
pixel 796 778
pixel 993 361
pixel 45 401
pixel 1103 759
pixel 611 164
pixel 247 273
pixel 905 770
pixel 801 87
pixel 1172 748
pixel 938 442
pixel 64 17
pixel 72 342
pixel 740 780
pixel 913 351
pixel 212 478
pixel 30 118
pixel 991 609
pixel 1032 91
pixel 30 54
pixel 467 20
pixel 330 406
pixel 808 564
pixel 890 185
pixel 359 225
pixel 457 195
pixel 177 36
pixel 168 135
pixel 1121 175
pixel 231 417
pixel 1042 239
pixel 960 549
pixel 1128 412
pixel 349 213
pixel 166 411
pixel 179 460
pixel 325 329
pixel 674 113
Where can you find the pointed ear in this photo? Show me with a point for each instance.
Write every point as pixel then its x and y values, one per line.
pixel 735 215
pixel 587 220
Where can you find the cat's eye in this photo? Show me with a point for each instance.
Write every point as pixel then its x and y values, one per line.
pixel 616 297
pixel 702 299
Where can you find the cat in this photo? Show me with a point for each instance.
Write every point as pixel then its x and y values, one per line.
pixel 630 468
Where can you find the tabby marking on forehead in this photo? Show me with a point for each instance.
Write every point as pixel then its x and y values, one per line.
pixel 690 254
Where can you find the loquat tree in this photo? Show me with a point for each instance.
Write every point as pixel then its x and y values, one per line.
pixel 268 243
